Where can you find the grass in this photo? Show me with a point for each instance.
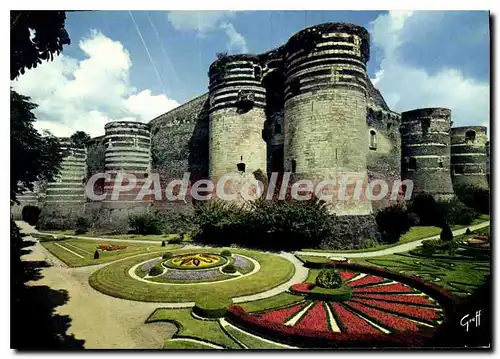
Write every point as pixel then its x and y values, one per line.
pixel 148 237
pixel 250 341
pixel 208 330
pixel 115 281
pixel 414 234
pixel 86 249
pixel 184 344
pixel 278 301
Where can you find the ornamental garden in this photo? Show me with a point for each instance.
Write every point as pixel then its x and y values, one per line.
pixel 225 290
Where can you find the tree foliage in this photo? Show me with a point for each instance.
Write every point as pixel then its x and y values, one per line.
pixel 35 157
pixel 80 138
pixel 49 38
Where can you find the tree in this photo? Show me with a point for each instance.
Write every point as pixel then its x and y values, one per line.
pixel 80 138
pixel 36 157
pixel 446 233
pixel 49 37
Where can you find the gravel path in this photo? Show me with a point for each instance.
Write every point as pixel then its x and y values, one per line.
pixel 392 250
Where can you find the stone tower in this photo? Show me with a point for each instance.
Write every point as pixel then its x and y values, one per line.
pixel 325 107
pixel 68 189
pixel 127 151
pixel 468 156
pixel 236 117
pixel 425 150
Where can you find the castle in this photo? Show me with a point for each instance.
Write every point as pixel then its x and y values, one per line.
pixel 307 107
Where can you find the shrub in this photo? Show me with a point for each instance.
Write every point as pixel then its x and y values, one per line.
pixel 147 223
pixel 167 255
pixel 55 219
pixel 176 240
pixel 156 270
pixel 226 253
pixel 316 263
pixel 163 243
pixel 446 234
pixel 468 231
pixel 82 225
pixel 329 278
pixel 474 197
pixel 427 209
pixel 96 254
pixel 394 221
pixel 31 214
pixel 212 307
pixel 453 211
pixel 229 268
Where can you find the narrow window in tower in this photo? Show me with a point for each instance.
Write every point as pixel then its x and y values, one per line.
pixel 412 164
pixel 470 136
pixel 426 124
pixel 277 129
pixel 440 163
pixel 373 140
pixel 294 166
pixel 146 175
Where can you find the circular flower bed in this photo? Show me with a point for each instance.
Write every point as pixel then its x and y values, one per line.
pixel 381 310
pixel 195 261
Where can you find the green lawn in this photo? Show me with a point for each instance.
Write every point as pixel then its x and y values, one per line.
pixel 115 281
pixel 278 301
pixel 414 234
pixel 80 252
pixel 149 237
pixel 208 330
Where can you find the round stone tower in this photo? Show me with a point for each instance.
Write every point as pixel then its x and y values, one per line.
pixel 425 150
pixel 68 189
pixel 127 152
pixel 325 109
pixel 468 156
pixel 237 114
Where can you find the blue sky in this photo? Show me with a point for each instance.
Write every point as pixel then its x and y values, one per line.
pixel 418 59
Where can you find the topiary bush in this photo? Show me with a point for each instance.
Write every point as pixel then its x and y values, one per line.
pixel 230 269
pixel 163 243
pixel 167 255
pixel 446 234
pixel 329 278
pixel 96 255
pixel 156 270
pixel 212 307
pixel 31 214
pixel 226 253
pixel 147 223
pixel 394 221
pixel 316 263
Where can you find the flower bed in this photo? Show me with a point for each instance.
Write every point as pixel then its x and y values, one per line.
pixel 110 247
pixel 386 309
pixel 194 261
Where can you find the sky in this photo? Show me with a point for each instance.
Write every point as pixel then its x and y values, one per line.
pixel 137 65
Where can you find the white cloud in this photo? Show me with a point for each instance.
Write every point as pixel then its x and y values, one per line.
pixel 84 95
pixel 237 42
pixel 405 87
pixel 204 22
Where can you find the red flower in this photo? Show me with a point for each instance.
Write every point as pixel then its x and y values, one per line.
pixel 389 288
pixel 315 318
pixel 281 315
pixel 411 299
pixel 350 322
pixel 369 279
pixel 346 275
pixel 302 287
pixel 389 320
pixel 426 314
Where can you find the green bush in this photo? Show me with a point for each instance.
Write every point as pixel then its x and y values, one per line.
pixel 394 221
pixel 229 268
pixel 435 213
pixel 329 278
pixel 316 263
pixel 177 240
pixel 82 225
pixel 156 270
pixel 212 307
pixel 226 253
pixel 163 243
pixel 31 214
pixel 446 234
pixel 96 255
pixel 474 197
pixel 167 255
pixel 56 219
pixel 427 209
pixel 433 246
pixel 455 212
pixel 147 223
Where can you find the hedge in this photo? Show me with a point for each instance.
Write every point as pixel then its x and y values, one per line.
pixel 213 307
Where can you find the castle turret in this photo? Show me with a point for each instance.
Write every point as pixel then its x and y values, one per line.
pixel 237 115
pixel 325 107
pixel 127 152
pixel 425 150
pixel 68 189
pixel 468 156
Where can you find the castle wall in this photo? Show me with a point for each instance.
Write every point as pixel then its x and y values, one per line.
pixel 468 156
pixel 426 150
pixel 325 107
